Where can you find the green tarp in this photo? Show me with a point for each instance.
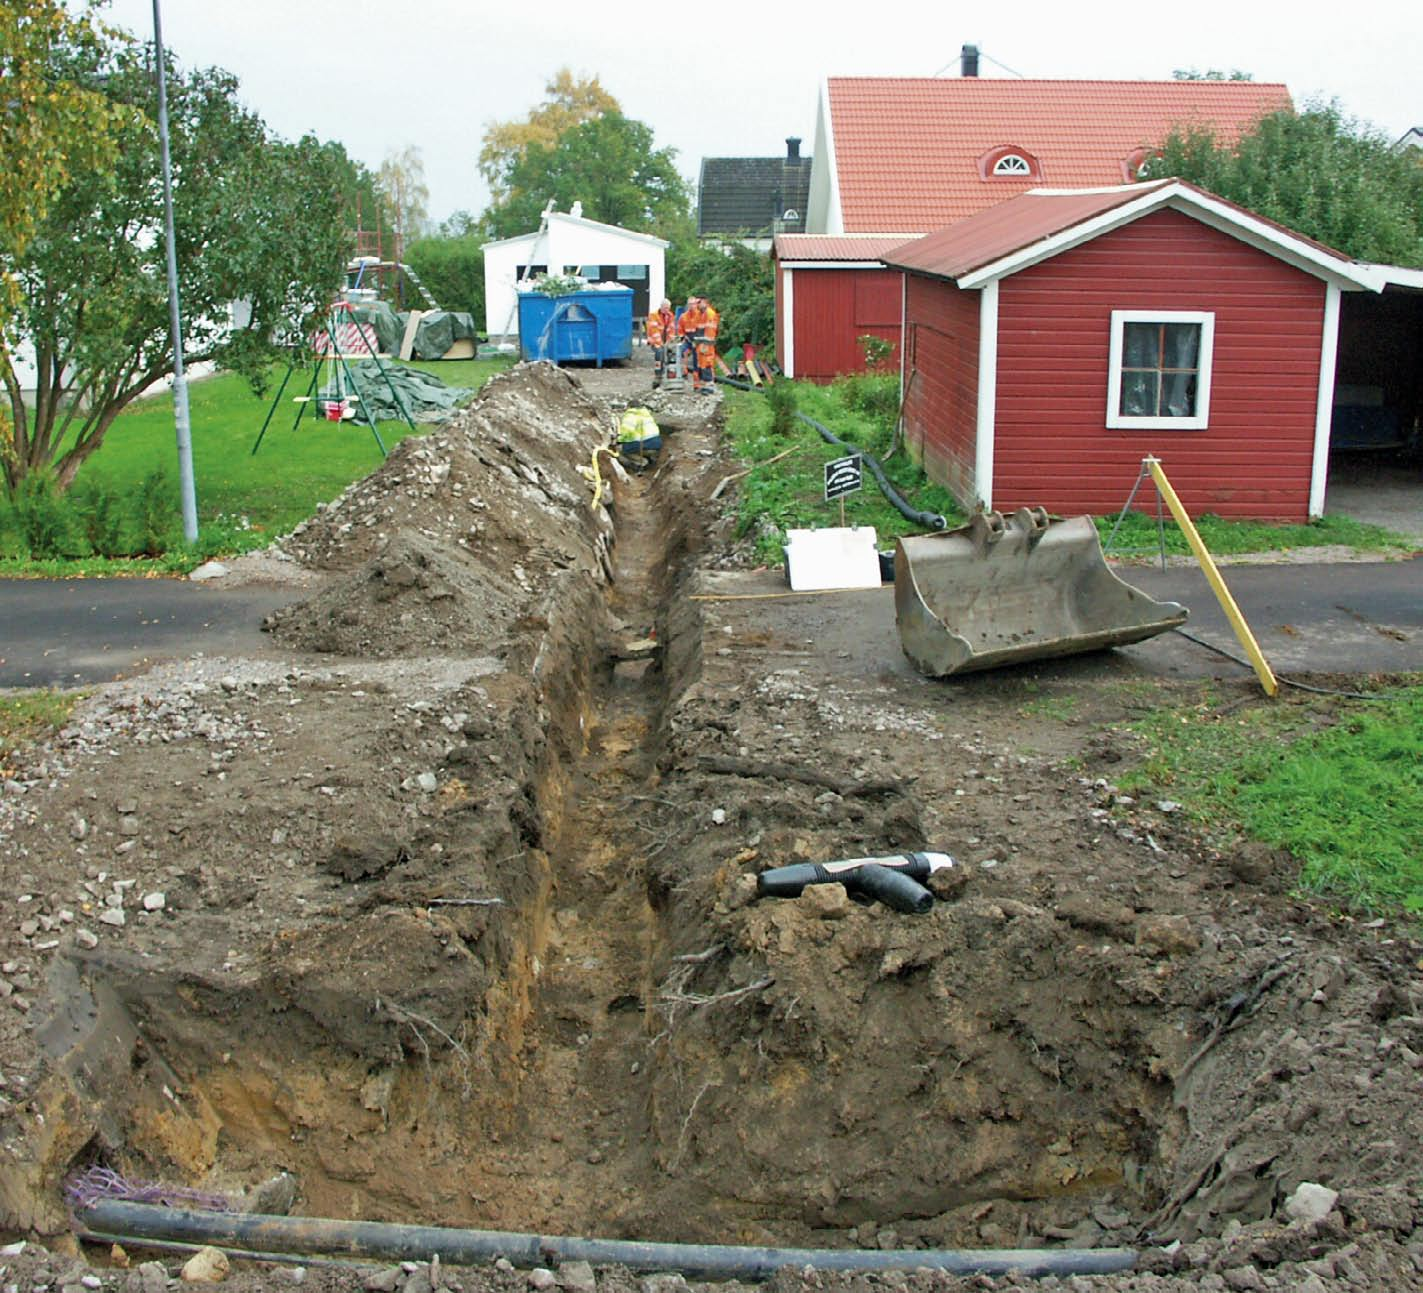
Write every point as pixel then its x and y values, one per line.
pixel 438 330
pixel 426 397
pixel 389 326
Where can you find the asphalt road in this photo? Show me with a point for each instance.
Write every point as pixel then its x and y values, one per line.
pixel 70 632
pixel 1350 617
pixel 1358 617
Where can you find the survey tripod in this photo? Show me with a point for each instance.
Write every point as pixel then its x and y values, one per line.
pixel 345 339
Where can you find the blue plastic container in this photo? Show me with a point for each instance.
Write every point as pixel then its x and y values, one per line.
pixel 590 327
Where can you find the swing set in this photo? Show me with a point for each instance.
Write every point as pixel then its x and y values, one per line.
pixel 342 396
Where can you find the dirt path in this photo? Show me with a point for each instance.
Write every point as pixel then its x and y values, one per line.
pixel 444 907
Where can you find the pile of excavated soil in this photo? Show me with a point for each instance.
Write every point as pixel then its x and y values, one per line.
pixel 452 919
pixel 460 533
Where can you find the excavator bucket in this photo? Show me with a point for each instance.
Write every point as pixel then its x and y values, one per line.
pixel 1006 589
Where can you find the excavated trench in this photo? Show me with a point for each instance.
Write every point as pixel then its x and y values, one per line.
pixel 548 1001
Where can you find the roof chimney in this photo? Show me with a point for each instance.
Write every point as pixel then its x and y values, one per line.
pixel 968 61
pixel 793 149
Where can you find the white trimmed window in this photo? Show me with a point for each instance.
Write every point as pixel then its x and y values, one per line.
pixel 1159 372
pixel 1012 164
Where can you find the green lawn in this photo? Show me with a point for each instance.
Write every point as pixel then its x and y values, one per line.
pixel 790 492
pixel 1338 783
pixel 243 500
pixel 1138 535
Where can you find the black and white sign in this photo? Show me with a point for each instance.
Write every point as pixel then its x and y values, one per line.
pixel 843 476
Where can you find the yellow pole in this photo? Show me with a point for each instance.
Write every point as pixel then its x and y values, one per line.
pixel 1213 577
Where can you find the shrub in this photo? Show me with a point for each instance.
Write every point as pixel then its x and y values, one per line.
pixel 99 516
pixel 154 510
pixel 872 395
pixel 45 520
pixel 781 398
pixel 876 350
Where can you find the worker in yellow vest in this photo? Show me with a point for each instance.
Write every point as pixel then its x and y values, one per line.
pixel 661 336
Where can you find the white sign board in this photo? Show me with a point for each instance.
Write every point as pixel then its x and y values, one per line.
pixel 838 557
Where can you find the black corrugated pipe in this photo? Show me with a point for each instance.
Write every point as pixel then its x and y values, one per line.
pixel 929 520
pixel 116 1221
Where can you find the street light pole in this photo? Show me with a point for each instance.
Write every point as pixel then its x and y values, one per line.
pixel 175 318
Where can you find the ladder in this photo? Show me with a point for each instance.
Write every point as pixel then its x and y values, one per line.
pixel 419 286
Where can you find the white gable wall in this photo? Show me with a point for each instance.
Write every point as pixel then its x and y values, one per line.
pixel 822 213
pixel 568 243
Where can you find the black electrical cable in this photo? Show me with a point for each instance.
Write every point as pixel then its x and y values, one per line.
pixel 1288 682
pixel 929 520
pixel 139 1223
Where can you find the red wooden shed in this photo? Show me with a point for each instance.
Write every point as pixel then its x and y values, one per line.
pixel 830 292
pixel 1055 340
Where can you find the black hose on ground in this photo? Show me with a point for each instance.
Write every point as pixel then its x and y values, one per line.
pixel 130 1224
pixel 929 520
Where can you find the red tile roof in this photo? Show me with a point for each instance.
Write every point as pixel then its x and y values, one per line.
pixel 850 246
pixel 907 150
pixel 1020 223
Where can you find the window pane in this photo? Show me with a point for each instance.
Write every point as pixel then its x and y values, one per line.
pixel 1140 348
pixel 1183 345
pixel 1178 395
pixel 1139 395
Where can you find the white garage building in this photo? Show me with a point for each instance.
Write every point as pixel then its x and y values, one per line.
pixel 569 244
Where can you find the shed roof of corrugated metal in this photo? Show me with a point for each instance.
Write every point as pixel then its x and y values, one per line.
pixel 907 151
pixel 837 247
pixel 1039 223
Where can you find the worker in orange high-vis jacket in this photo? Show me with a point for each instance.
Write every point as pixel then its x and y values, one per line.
pixel 689 328
pixel 662 337
pixel 706 347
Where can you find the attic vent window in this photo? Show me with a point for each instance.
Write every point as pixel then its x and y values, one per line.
pixel 790 213
pixel 1009 162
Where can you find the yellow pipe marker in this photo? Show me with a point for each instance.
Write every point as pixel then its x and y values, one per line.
pixel 1213 577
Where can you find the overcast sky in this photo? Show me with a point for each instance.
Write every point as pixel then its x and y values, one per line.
pixel 738 80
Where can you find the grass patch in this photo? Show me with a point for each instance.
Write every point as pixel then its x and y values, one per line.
pixel 1338 784
pixel 244 501
pixel 861 410
pixel 790 492
pixel 1138 535
pixel 30 716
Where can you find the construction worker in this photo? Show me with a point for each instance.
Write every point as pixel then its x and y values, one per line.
pixel 706 347
pixel 689 325
pixel 661 336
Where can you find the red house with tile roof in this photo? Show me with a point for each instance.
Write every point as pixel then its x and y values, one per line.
pixel 1055 340
pixel 907 156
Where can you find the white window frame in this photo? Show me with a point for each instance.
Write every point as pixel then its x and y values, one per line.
pixel 1200 420
pixel 1013 166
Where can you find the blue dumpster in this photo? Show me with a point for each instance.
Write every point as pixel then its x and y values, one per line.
pixel 589 326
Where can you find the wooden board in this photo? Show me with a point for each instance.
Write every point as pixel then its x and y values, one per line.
pixel 407 342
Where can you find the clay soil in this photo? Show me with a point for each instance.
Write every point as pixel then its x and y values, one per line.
pixel 440 910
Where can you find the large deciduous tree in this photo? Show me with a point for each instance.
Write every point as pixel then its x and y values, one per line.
pixel 259 222
pixel 1318 172
pixel 50 126
pixel 571 102
pixel 609 164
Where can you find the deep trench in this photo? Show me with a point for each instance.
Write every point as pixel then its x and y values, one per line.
pixel 564 1119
